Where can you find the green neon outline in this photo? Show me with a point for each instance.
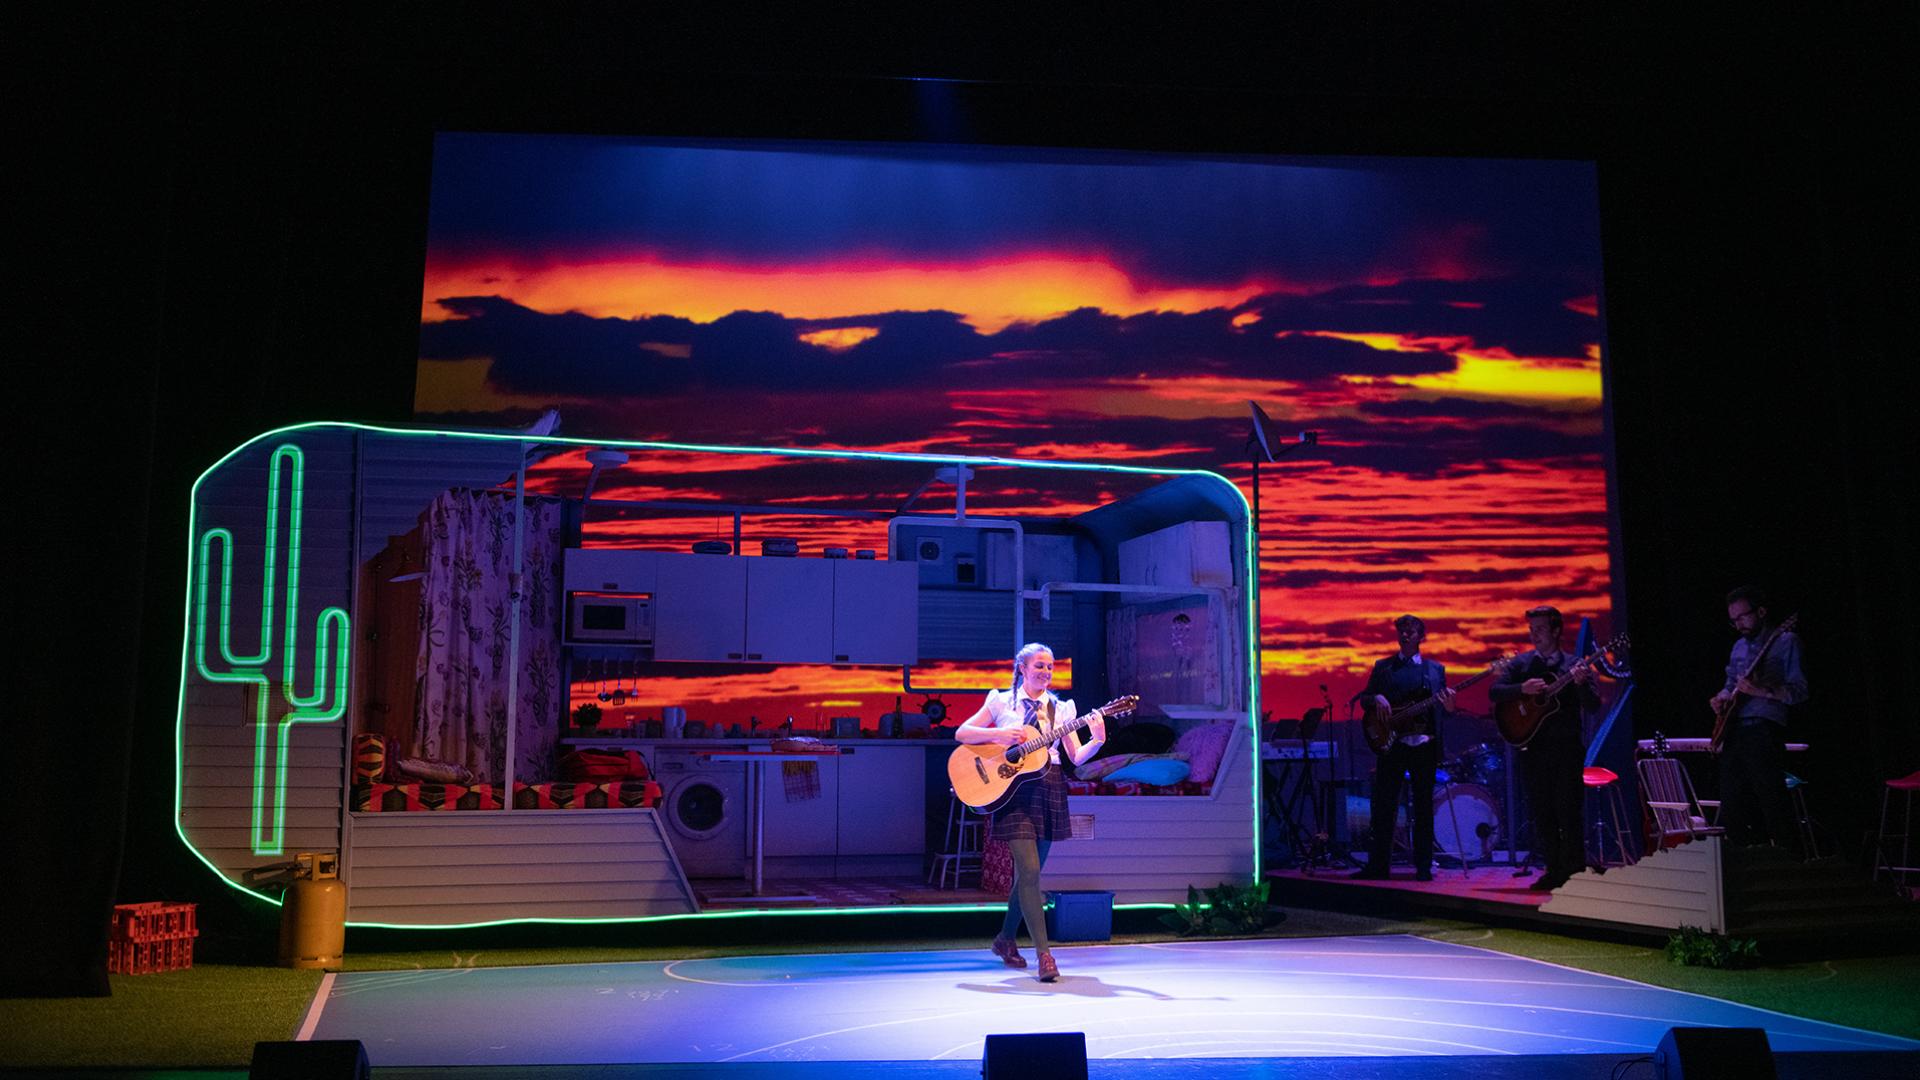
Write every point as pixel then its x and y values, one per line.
pixel 339 617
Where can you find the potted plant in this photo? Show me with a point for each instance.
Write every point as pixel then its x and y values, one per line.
pixel 587 717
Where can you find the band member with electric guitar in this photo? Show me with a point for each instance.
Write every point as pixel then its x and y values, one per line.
pixel 1402 679
pixel 1035 813
pixel 1763 680
pixel 1552 758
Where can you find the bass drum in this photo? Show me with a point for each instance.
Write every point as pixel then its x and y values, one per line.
pixel 1472 806
pixel 1466 821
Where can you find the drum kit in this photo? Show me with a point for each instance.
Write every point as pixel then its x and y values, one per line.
pixel 1468 820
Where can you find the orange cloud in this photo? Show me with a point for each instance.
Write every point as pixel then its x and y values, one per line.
pixel 988 294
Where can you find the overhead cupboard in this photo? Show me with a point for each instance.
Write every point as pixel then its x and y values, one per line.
pixel 761 609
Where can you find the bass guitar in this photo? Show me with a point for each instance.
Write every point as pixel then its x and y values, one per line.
pixel 1726 710
pixel 984 775
pixel 1383 726
pixel 1519 720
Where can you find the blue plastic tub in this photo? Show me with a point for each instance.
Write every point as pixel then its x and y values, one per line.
pixel 1080 915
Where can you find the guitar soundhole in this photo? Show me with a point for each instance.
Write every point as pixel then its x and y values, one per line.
pixel 1014 755
pixel 1007 772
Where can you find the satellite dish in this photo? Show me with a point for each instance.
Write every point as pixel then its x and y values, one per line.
pixel 1261 423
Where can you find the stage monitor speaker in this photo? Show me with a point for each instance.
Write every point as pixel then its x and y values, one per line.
pixel 1051 1056
pixel 318 1059
pixel 1689 1053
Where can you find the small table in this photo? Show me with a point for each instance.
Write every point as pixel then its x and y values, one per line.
pixel 756 761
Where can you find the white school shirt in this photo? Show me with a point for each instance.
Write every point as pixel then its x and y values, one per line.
pixel 1005 711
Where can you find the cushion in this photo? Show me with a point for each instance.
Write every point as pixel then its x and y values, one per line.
pixel 600 766
pixel 1203 747
pixel 438 772
pixel 376 797
pixel 1100 768
pixel 1159 770
pixel 583 796
pixel 369 758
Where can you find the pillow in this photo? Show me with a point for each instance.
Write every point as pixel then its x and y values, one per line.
pixel 434 772
pixel 1203 746
pixel 602 766
pixel 1099 768
pixel 1160 771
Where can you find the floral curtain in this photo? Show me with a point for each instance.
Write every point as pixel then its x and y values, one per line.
pixel 463 668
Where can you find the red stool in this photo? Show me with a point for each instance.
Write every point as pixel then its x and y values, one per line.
pixel 1906 786
pixel 1604 783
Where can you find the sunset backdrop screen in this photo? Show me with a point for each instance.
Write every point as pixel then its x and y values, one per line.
pixel 1437 321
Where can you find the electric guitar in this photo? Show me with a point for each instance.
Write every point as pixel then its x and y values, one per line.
pixel 1383 726
pixel 984 775
pixel 1724 712
pixel 1519 720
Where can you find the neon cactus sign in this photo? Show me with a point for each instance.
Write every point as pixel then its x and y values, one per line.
pixel 326 700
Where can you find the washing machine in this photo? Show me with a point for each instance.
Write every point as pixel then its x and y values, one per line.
pixel 705 808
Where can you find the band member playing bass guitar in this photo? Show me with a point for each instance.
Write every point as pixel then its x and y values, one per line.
pixel 1398 680
pixel 1763 680
pixel 1552 759
pixel 1036 814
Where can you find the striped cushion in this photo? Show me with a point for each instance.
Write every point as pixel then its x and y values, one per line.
pixel 369 758
pixel 399 798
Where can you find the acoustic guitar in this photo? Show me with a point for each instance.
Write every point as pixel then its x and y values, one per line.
pixel 1520 720
pixel 1383 726
pixel 985 775
pixel 1724 714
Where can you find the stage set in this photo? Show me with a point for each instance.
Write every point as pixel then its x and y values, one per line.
pixel 1137 552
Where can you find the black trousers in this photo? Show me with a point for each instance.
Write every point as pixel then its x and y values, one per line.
pixel 1754 806
pixel 1399 763
pixel 1556 797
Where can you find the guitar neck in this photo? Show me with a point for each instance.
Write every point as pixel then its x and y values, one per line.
pixel 1406 710
pixel 1566 676
pixel 1058 732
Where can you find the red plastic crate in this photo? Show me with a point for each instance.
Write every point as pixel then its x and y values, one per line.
pixel 151 937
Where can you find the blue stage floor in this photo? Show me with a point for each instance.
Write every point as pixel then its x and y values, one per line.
pixel 1346 997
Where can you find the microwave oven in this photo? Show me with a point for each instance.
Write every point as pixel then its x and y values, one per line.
pixel 619 617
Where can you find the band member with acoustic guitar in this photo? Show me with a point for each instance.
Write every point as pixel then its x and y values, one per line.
pixel 1397 680
pixel 1753 783
pixel 1036 815
pixel 1552 759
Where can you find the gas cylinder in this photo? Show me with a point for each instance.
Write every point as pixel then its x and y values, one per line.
pixel 313 913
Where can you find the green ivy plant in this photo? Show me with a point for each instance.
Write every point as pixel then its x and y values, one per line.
pixel 587 716
pixel 1224 909
pixel 1694 947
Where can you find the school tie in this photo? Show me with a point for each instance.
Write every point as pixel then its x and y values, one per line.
pixel 1032 707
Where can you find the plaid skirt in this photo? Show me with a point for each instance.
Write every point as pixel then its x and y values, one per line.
pixel 1037 811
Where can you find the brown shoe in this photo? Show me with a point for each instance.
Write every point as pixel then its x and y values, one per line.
pixel 1049 971
pixel 1008 952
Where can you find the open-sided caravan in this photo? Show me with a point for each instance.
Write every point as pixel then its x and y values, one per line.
pixel 441 614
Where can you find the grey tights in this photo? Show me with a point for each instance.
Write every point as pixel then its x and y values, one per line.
pixel 1027 901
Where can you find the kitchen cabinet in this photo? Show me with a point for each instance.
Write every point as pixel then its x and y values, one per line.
pixel 876 612
pixel 767 610
pixel 882 807
pixel 699 605
pixel 789 608
pixel 794 827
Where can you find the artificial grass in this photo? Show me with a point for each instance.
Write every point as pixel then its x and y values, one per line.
pixel 205 1015
pixel 211 1015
